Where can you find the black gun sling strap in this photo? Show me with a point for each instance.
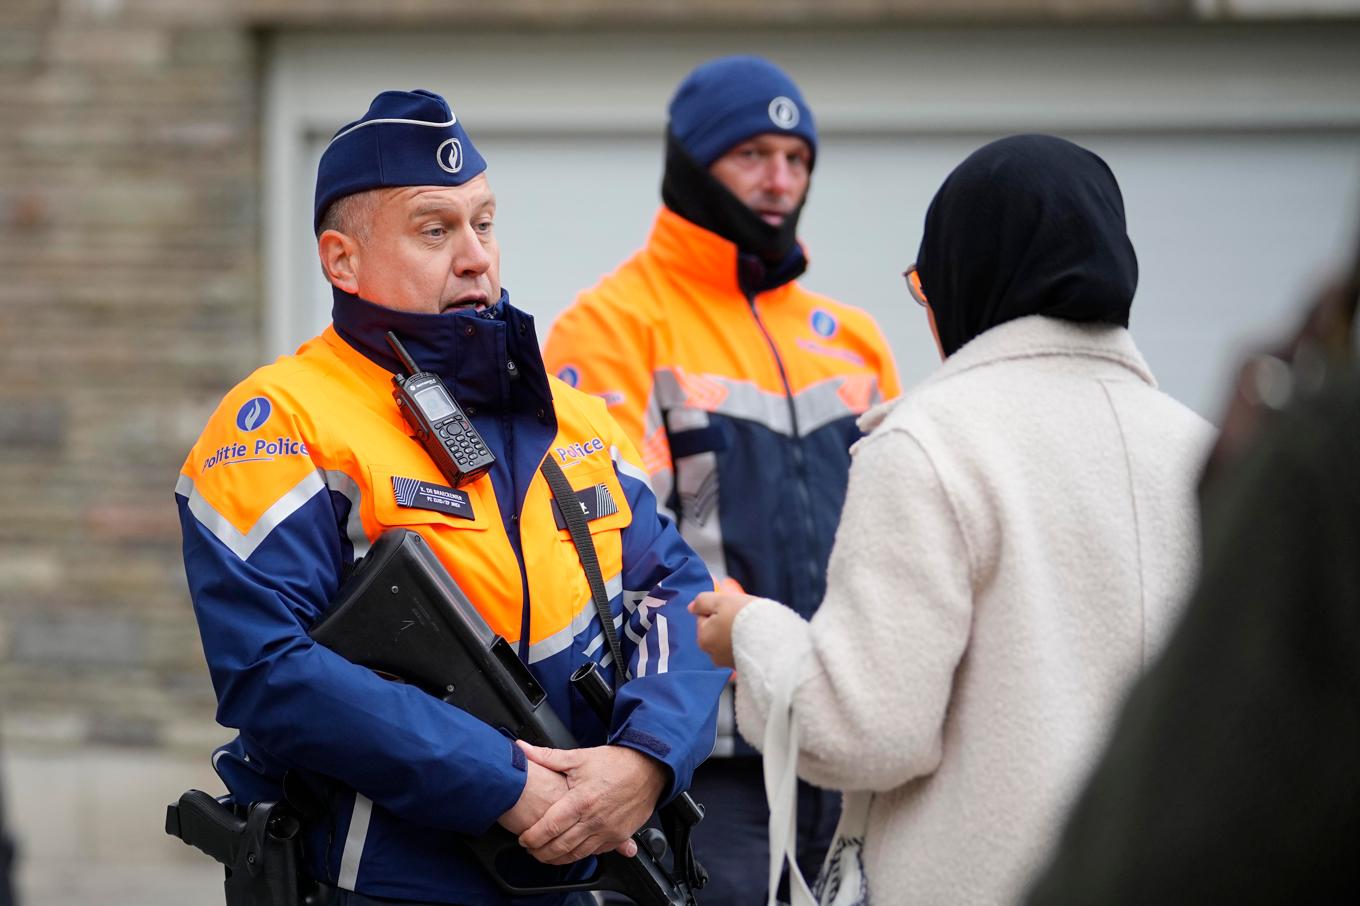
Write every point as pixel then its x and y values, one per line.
pixel 677 831
pixel 590 561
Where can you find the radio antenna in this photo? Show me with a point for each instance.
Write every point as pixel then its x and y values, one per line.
pixel 406 361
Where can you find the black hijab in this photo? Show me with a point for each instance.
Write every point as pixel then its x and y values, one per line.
pixel 1027 225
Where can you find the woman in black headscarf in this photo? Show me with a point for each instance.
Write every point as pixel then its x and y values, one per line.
pixel 1029 225
pixel 1017 533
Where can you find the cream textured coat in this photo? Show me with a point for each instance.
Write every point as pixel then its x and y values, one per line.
pixel 1018 534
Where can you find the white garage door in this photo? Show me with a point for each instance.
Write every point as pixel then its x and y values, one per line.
pixel 1238 151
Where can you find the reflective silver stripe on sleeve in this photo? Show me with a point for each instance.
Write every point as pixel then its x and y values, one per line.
pixel 342 483
pixel 642 608
pixel 585 615
pixel 243 545
pixel 644 603
pixel 660 480
pixel 627 468
pixel 663 644
pixel 698 488
pixel 666 390
pixel 354 842
pixel 695 482
pixel 641 649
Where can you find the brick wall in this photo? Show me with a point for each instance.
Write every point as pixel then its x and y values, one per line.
pixel 128 284
pixel 129 301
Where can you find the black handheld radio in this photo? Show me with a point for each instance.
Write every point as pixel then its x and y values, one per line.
pixel 438 422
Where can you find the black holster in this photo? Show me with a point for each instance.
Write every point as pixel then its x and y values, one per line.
pixel 260 851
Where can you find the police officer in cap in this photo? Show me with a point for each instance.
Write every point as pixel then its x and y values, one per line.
pixel 307 461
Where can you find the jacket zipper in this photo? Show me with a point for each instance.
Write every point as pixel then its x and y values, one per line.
pixel 802 492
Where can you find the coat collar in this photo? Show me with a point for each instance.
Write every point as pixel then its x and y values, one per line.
pixel 471 351
pixel 1034 336
pixel 706 258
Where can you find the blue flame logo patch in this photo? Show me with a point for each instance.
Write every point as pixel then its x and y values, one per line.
pixel 823 323
pixel 253 414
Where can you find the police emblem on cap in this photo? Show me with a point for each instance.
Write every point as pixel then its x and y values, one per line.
pixel 449 156
pixel 784 112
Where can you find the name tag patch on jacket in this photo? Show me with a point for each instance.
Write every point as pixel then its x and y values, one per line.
pixel 595 502
pixel 422 495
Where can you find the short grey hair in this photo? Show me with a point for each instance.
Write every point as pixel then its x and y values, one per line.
pixel 351 215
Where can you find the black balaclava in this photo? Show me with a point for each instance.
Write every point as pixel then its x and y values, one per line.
pixel 1027 225
pixel 719 104
pixel 691 191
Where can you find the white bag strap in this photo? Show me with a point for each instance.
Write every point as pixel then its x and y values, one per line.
pixel 781 782
pixel 842 882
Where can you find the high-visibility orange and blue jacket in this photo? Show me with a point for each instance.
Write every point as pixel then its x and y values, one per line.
pixel 303 465
pixel 742 398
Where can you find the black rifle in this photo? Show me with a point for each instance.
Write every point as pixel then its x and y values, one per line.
pixel 403 616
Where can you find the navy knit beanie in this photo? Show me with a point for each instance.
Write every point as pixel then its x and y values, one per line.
pixel 407 138
pixel 728 100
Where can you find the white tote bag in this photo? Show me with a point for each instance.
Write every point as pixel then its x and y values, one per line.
pixel 842 881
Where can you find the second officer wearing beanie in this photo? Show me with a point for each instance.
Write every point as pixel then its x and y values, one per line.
pixel 741 388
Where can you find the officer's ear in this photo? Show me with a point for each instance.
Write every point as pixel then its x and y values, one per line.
pixel 339 260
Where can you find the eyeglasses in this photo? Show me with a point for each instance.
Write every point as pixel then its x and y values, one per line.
pixel 913 278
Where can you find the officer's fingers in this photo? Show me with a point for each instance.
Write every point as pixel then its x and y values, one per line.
pixel 556 853
pixel 560 760
pixel 564 854
pixel 576 842
pixel 595 840
pixel 558 817
pixel 595 845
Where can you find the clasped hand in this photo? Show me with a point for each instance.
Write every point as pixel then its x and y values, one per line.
pixel 584 802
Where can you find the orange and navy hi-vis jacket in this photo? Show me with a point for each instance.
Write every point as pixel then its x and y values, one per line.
pixel 743 403
pixel 302 466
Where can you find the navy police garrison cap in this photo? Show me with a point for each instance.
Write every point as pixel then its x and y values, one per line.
pixel 407 138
